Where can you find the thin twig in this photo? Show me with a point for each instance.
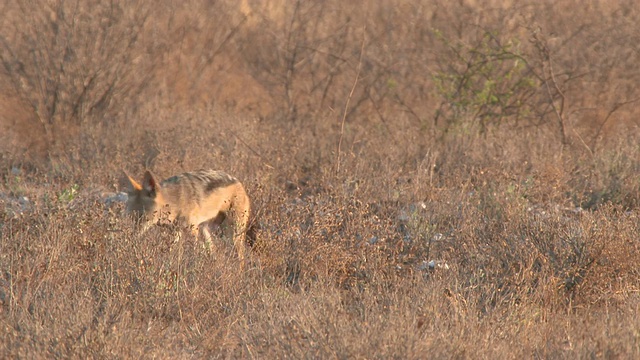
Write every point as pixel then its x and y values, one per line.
pixel 346 106
pixel 255 152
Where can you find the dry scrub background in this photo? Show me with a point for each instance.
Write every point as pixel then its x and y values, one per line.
pixel 430 178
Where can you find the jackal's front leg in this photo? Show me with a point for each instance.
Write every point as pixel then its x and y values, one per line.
pixel 143 229
pixel 208 240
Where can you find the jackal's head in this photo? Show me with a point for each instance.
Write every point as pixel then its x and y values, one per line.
pixel 143 200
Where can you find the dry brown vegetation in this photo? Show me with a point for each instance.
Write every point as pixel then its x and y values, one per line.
pixel 430 179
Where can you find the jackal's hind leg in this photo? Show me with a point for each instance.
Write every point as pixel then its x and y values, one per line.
pixel 240 222
pixel 240 213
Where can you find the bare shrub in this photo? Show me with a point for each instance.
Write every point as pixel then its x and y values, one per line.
pixel 74 63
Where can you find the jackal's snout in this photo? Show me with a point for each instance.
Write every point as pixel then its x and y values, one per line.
pixel 141 199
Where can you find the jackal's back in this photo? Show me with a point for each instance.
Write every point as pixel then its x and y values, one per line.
pixel 195 186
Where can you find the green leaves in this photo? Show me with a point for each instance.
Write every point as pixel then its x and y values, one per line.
pixel 486 82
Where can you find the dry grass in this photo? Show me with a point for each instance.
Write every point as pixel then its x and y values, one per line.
pixel 482 203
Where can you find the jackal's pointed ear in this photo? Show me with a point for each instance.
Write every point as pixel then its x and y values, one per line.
pixel 150 183
pixel 128 184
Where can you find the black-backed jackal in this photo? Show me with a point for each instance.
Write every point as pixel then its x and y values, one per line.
pixel 196 199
